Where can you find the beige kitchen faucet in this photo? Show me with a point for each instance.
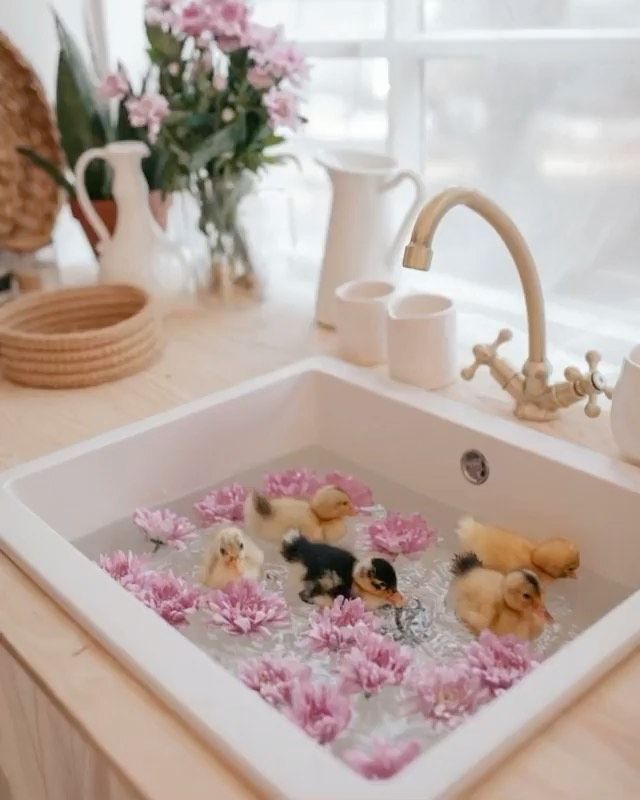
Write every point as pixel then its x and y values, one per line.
pixel 535 398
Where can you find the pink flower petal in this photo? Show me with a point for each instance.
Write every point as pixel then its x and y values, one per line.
pixel 245 607
pixel 397 534
pixel 163 526
pixel 319 709
pixel 273 678
pixel 382 759
pixel 446 693
pixel 499 661
pixel 334 629
pixel 375 661
pixel 223 505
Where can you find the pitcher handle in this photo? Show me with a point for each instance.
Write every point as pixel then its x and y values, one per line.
pixel 412 213
pixel 83 197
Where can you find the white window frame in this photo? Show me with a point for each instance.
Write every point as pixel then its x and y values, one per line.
pixel 407 49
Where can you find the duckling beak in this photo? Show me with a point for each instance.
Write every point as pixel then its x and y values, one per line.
pixel 396 599
pixel 543 611
pixel 230 560
pixel 572 575
pixel 352 512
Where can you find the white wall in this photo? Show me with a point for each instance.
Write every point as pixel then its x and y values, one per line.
pixel 29 25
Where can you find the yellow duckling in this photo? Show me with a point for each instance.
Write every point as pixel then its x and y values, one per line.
pixel 321 519
pixel 230 555
pixel 505 604
pixel 505 551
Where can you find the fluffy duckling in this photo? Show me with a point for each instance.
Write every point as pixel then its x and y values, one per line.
pixel 230 555
pixel 321 519
pixel 511 603
pixel 505 551
pixel 329 572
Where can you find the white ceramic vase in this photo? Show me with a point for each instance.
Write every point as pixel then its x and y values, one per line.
pixel 362 242
pixel 625 408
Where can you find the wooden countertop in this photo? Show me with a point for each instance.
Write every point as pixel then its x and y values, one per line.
pixel 590 751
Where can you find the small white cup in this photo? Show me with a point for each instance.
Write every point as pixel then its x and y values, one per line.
pixel 361 310
pixel 421 335
pixel 625 408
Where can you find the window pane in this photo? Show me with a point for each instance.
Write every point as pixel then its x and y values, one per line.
pixel 558 147
pixel 530 13
pixel 324 19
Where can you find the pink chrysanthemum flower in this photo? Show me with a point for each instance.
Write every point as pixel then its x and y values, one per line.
pixel 223 505
pixel 159 12
pixel 397 534
pixel 245 607
pixel 127 569
pixel 359 493
pixel 446 693
pixel 229 19
pixel 170 596
pixel 382 759
pixel 319 709
pixel 114 86
pixel 164 526
pixel 165 593
pixel 499 661
pixel 334 629
pixel 302 483
pixel 274 678
pixel 148 112
pixel 282 108
pixel 375 661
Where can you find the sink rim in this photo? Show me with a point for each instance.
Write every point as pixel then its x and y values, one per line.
pixel 482 738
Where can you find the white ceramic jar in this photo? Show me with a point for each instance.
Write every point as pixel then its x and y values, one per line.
pixel 361 310
pixel 625 407
pixel 421 338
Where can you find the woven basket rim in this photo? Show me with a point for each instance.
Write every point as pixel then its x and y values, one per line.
pixel 12 334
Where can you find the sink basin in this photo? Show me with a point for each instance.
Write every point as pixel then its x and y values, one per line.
pixel 409 439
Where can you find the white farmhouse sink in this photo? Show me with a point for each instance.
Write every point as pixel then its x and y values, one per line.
pixel 537 485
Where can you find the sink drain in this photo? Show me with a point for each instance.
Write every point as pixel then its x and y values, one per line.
pixel 475 467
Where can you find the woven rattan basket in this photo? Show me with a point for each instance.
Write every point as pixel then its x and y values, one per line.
pixel 78 337
pixel 28 196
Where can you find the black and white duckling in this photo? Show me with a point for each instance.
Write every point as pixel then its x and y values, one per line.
pixel 323 518
pixel 487 599
pixel 330 572
pixel 230 555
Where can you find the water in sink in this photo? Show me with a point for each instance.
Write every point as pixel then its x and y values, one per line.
pixel 574 604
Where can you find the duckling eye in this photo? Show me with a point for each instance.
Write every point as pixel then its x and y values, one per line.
pixel 223 552
pixel 526 595
pixel 242 545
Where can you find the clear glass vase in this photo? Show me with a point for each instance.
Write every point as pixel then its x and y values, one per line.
pixel 220 200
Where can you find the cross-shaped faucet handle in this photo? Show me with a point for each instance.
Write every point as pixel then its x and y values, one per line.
pixel 591 384
pixel 485 353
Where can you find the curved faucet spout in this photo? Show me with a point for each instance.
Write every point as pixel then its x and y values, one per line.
pixel 417 255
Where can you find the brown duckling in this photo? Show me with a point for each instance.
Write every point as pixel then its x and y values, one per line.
pixel 230 555
pixel 505 604
pixel 320 519
pixel 330 572
pixel 506 551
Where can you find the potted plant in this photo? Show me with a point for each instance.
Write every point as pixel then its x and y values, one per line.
pixel 230 88
pixel 91 115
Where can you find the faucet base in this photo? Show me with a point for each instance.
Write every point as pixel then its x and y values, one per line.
pixel 529 412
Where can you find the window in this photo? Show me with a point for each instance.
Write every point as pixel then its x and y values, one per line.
pixel 534 102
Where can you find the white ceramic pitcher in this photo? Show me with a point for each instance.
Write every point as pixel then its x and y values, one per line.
pixel 139 251
pixel 361 241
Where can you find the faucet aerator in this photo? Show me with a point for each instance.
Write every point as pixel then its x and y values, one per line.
pixel 417 256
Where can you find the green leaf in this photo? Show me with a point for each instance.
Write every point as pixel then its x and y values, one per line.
pixel 223 141
pixel 52 170
pixel 164 45
pixel 81 120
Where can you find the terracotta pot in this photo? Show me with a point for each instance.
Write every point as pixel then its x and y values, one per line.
pixel 106 209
